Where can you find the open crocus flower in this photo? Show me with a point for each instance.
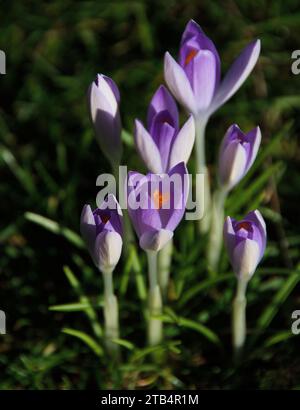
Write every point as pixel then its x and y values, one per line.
pixel 237 153
pixel 195 81
pixel 163 145
pixel 103 102
pixel 156 205
pixel 245 242
pixel 102 230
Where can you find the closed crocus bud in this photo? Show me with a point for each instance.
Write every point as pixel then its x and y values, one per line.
pixel 156 205
pixel 102 231
pixel 246 243
pixel 237 153
pixel 103 102
pixel 163 145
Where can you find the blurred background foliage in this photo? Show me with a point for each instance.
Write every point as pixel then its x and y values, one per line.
pixel 49 162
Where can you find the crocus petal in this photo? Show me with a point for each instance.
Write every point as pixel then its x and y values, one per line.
pixel 246 256
pixel 178 83
pixel 194 31
pixel 107 251
pixel 104 96
pixel 258 220
pixel 232 164
pixel 229 236
pixel 163 101
pixel 204 78
pixel 113 87
pixel 229 136
pixel 141 210
pixel 254 138
pixel 166 137
pixel 147 148
pixel 105 117
pixel 88 227
pixel 183 143
pixel 178 194
pixel 236 74
pixel 115 214
pixel 155 240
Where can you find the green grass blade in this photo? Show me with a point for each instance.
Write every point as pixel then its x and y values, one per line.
pixel 88 340
pixel 55 228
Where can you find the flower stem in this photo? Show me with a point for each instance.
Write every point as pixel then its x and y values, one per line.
pixel 129 245
pixel 239 319
pixel 155 302
pixel 216 229
pixel 111 314
pixel 164 265
pixel 201 168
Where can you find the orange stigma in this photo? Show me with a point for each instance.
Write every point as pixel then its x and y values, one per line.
pixel 244 225
pixel 190 56
pixel 160 199
pixel 105 218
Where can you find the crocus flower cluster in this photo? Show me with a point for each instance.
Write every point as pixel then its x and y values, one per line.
pixel 156 201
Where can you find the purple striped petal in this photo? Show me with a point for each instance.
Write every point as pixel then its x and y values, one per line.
pixel 237 74
pixel 183 143
pixel 147 148
pixel 194 38
pixel 178 83
pixel 203 78
pixel 163 101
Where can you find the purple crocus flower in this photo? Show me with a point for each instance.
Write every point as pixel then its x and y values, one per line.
pixel 245 242
pixel 195 80
pixel 163 144
pixel 237 153
pixel 156 205
pixel 102 230
pixel 103 102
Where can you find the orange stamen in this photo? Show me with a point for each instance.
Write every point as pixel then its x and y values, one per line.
pixel 160 199
pixel 244 225
pixel 105 218
pixel 190 56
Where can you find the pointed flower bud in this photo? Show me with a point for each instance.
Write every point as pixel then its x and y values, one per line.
pixel 103 103
pixel 245 242
pixel 237 153
pixel 163 145
pixel 102 231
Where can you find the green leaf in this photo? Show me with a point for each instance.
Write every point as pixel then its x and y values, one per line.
pixel 127 138
pixel 198 327
pixel 55 228
pixel 278 338
pixel 204 285
pixel 23 176
pixel 125 343
pixel 70 307
pixel 74 282
pixel 272 309
pixel 236 202
pixel 83 299
pixel 88 340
